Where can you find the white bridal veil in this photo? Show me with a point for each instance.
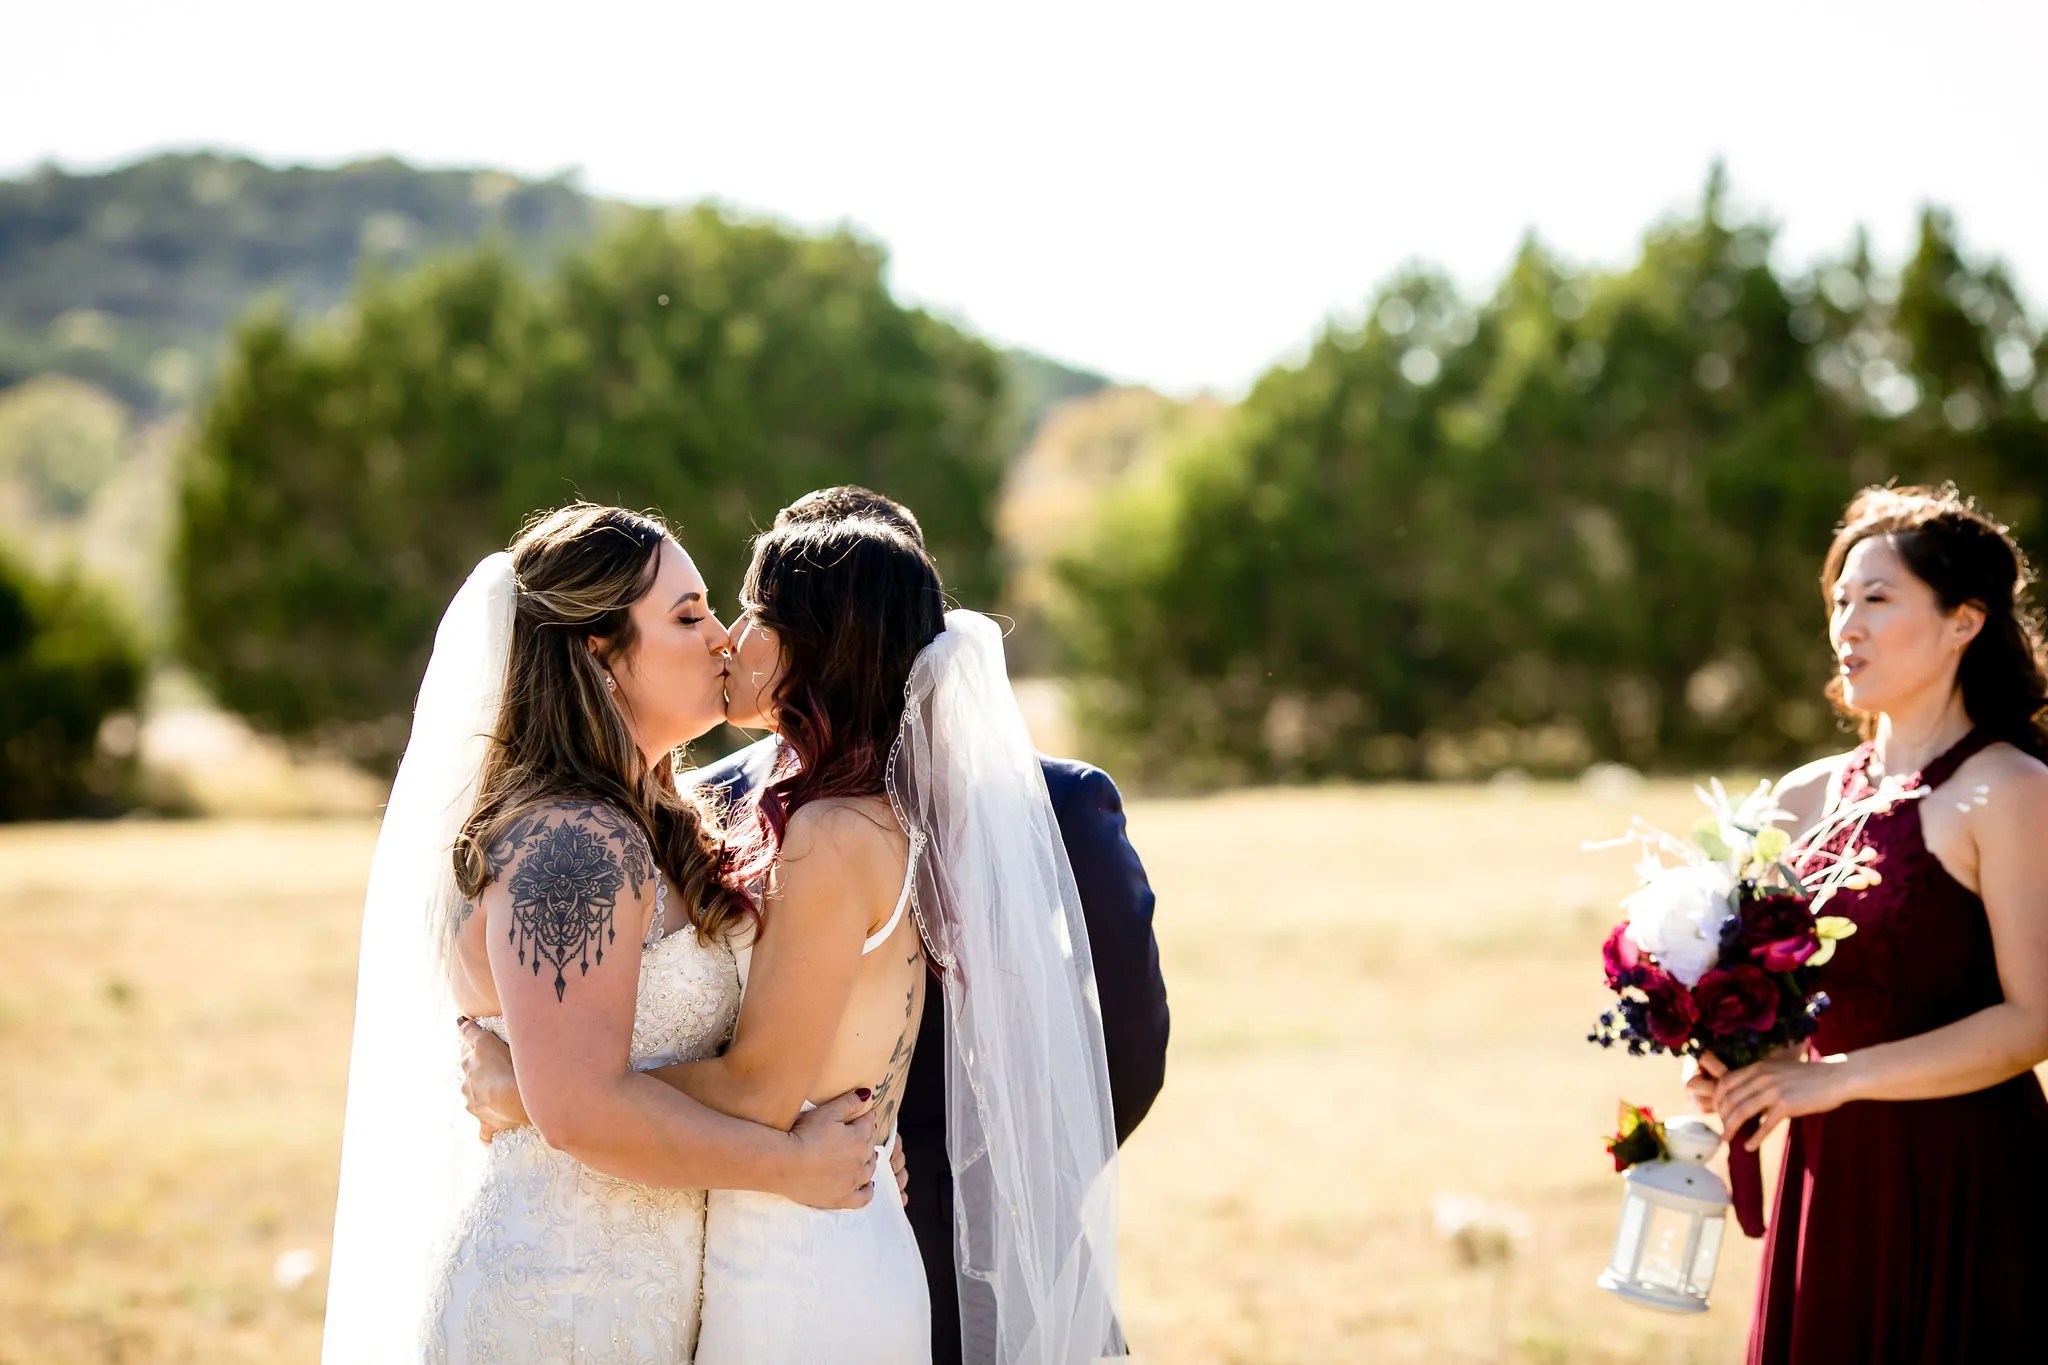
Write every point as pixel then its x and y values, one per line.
pixel 1030 1136
pixel 409 1150
pixel 1029 1129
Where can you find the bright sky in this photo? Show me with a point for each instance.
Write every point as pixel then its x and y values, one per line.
pixel 1176 194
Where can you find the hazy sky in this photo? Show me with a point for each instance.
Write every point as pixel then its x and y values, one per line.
pixel 1176 194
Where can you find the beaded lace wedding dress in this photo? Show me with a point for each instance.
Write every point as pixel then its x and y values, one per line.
pixel 552 1261
pixel 788 1285
pixel 444 1249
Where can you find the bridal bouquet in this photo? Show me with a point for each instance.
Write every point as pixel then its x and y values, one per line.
pixel 1723 938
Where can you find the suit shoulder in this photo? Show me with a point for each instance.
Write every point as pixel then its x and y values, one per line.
pixel 1073 783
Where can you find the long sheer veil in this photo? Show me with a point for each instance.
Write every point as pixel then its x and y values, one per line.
pixel 1028 1120
pixel 409 1153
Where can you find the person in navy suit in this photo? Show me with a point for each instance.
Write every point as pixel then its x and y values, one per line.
pixel 1116 902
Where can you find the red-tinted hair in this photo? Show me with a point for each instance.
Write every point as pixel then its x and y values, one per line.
pixel 851 603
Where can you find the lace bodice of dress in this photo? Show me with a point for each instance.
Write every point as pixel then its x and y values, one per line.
pixel 552 1261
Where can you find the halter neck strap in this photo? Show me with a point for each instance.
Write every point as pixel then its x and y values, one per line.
pixel 1943 767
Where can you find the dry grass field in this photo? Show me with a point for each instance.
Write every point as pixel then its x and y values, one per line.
pixel 1380 998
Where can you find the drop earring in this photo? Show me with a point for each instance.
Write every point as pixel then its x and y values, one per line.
pixel 611 684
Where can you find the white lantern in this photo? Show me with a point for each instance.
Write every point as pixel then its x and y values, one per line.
pixel 1671 1223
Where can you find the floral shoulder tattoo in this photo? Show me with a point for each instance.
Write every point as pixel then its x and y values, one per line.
pixel 567 866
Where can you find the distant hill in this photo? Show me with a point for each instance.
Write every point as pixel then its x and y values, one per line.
pixel 130 279
pixel 119 288
pixel 1038 385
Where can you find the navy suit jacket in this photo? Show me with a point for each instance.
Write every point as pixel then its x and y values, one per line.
pixel 1116 902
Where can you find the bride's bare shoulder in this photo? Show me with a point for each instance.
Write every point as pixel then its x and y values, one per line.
pixel 1804 791
pixel 860 826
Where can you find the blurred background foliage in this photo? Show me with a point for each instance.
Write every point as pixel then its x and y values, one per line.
pixel 275 414
pixel 1578 520
pixel 68 665
pixel 344 474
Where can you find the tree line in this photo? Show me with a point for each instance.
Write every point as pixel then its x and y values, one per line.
pixel 1580 519
pixel 1577 519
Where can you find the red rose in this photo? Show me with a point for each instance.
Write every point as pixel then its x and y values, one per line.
pixel 1672 1012
pixel 1619 954
pixel 1778 916
pixel 1777 933
pixel 1738 998
pixel 1787 953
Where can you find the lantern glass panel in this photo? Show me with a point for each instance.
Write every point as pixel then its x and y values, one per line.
pixel 1667 1241
pixel 1703 1260
pixel 1629 1240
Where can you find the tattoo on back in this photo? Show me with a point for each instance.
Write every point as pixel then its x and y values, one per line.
pixel 565 885
pixel 889 1093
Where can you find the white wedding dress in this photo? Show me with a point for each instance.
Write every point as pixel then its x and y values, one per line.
pixel 789 1285
pixel 553 1263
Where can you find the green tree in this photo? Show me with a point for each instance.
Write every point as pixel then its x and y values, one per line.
pixel 1581 520
pixel 1271 610
pixel 1963 340
pixel 67 665
pixel 344 478
pixel 1655 482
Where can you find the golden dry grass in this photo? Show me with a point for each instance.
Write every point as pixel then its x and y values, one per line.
pixel 1379 996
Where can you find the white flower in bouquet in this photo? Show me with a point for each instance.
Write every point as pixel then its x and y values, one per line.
pixel 1677 916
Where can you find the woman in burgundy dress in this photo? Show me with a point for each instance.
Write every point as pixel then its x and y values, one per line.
pixel 1911 1218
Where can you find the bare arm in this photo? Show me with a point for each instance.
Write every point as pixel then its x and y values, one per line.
pixel 802 973
pixel 1994 1044
pixel 564 924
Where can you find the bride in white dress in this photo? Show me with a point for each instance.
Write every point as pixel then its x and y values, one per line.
pixel 533 836
pixel 907 828
pixel 908 815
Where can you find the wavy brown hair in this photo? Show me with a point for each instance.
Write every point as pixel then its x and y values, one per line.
pixel 559 736
pixel 1966 558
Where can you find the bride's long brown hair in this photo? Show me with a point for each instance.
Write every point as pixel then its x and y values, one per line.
pixel 580 569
